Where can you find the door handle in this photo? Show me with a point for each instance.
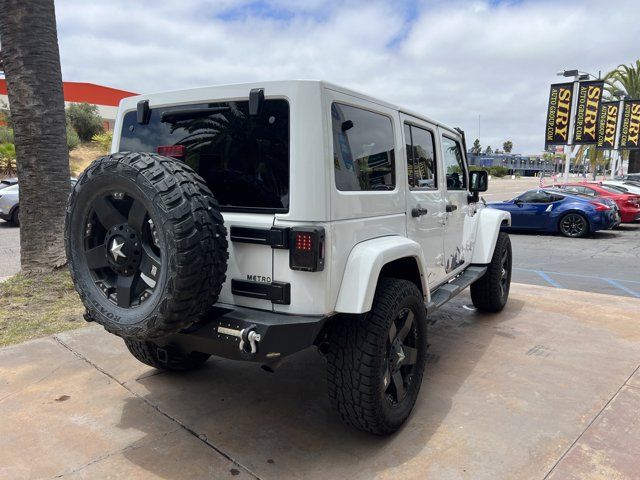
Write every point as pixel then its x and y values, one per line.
pixel 451 208
pixel 418 212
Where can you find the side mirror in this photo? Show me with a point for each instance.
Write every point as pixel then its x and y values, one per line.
pixel 478 181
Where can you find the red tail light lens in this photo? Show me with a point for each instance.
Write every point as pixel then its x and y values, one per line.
pixel 600 207
pixel 175 151
pixel 306 249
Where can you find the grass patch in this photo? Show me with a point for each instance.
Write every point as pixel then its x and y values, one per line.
pixel 36 306
pixel 82 156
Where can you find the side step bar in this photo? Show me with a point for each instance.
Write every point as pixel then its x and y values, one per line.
pixel 449 290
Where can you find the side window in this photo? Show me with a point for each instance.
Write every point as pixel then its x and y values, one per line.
pixel 535 196
pixel 421 163
pixel 589 191
pixel 453 164
pixel 363 149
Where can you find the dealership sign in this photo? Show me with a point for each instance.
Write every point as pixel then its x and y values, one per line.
pixel 557 127
pixel 607 125
pixel 630 126
pixel 586 121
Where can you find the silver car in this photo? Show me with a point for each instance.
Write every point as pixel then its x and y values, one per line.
pixel 9 203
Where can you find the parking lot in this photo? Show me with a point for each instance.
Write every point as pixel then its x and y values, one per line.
pixel 549 388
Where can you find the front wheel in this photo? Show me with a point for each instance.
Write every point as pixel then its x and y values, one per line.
pixel 491 291
pixel 375 361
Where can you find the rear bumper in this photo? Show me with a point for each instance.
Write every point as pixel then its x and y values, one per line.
pixel 280 335
pixel 630 215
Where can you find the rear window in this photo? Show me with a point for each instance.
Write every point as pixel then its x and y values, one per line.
pixel 243 159
pixel 363 149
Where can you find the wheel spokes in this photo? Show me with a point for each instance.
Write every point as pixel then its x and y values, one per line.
pixel 411 355
pixel 408 323
pixel 124 290
pixel 398 383
pixel 149 266
pixel 97 257
pixel 137 214
pixel 108 215
pixel 393 331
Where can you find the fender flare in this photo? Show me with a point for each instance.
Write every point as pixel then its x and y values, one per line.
pixel 363 268
pixel 488 226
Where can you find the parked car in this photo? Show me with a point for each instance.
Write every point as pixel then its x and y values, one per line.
pixel 9 206
pixel 7 182
pixel 253 221
pixel 628 203
pixel 548 210
pixel 631 176
pixel 624 186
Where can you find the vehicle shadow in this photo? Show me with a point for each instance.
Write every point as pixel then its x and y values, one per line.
pixel 281 425
pixel 5 224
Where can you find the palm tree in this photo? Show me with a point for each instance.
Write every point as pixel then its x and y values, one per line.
pixel 626 78
pixel 32 68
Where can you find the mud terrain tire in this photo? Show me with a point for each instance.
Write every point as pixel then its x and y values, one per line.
pixel 176 244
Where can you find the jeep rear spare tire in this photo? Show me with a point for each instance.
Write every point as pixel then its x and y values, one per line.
pixel 145 243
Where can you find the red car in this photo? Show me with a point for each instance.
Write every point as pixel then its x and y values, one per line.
pixel 628 203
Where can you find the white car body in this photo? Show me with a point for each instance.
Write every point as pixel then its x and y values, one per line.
pixel 9 197
pixel 628 186
pixel 366 231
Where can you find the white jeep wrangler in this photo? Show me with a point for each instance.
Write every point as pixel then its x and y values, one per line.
pixel 253 221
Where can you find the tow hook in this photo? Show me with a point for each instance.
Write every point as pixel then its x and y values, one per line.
pixel 249 338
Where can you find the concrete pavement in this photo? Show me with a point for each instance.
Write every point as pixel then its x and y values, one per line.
pixel 548 388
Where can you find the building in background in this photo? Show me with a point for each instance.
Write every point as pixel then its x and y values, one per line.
pixel 530 165
pixel 105 98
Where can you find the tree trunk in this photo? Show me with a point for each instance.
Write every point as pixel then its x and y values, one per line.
pixel 34 82
pixel 634 161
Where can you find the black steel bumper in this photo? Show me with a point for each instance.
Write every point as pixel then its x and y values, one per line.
pixel 224 330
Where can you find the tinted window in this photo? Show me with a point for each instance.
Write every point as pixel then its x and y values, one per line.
pixel 244 160
pixel 613 189
pixel 421 164
pixel 363 149
pixel 534 196
pixel 453 164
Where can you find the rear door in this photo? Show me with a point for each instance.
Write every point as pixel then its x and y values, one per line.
pixel 425 196
pixel 244 160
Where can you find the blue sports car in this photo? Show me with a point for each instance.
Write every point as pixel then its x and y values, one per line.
pixel 548 210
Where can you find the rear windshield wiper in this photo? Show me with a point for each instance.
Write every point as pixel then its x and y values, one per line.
pixel 172 116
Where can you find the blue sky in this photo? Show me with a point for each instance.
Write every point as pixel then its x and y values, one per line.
pixel 452 60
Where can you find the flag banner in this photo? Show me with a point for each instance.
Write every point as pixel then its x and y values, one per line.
pixel 586 121
pixel 607 125
pixel 557 128
pixel 630 126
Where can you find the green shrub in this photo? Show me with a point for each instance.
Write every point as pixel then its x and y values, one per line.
pixel 73 140
pixel 7 159
pixel 498 171
pixel 6 135
pixel 103 140
pixel 85 120
pixel 518 174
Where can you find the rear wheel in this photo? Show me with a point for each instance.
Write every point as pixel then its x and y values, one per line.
pixel 573 225
pixel 15 217
pixel 376 361
pixel 166 358
pixel 491 291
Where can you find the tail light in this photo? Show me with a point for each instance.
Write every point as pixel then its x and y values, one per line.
pixel 306 249
pixel 175 151
pixel 600 207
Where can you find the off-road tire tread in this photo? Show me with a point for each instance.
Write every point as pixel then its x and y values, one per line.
pixel 355 356
pixel 485 292
pixel 147 353
pixel 196 268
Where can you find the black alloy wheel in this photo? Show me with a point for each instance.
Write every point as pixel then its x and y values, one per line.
pixel 122 248
pixel 146 244
pixel 401 357
pixel 573 225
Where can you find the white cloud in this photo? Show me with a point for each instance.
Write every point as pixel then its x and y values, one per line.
pixel 451 60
